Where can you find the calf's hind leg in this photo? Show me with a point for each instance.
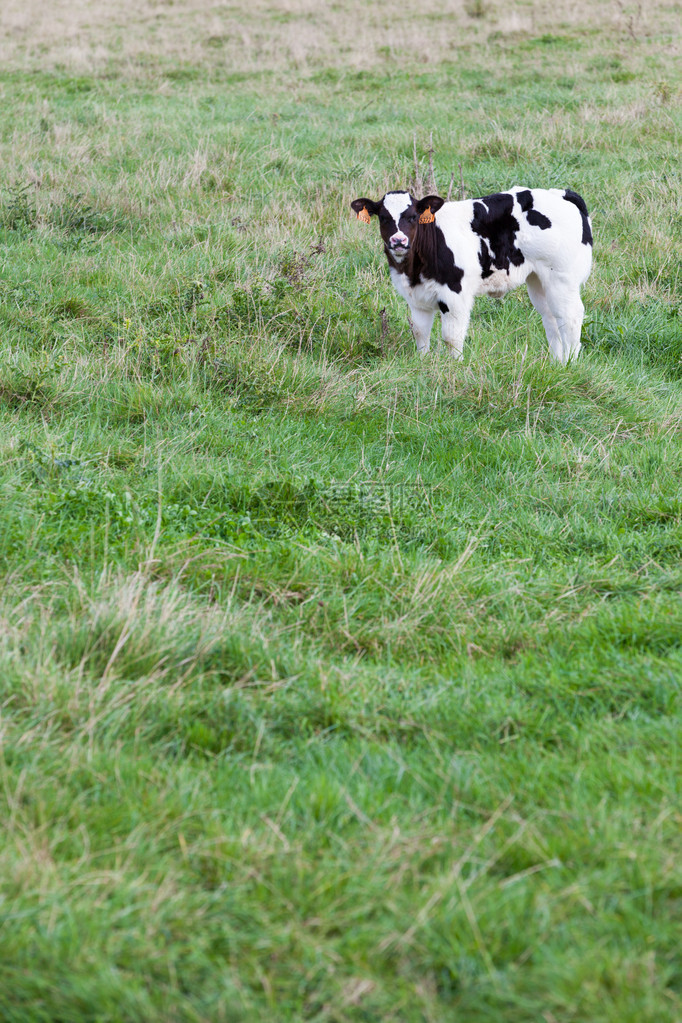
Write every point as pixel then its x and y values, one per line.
pixel 537 296
pixel 558 301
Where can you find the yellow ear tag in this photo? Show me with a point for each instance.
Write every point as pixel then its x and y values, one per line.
pixel 427 216
pixel 364 216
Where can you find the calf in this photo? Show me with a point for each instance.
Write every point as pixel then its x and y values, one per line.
pixel 442 254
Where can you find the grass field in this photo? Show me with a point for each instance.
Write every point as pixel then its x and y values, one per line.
pixel 335 685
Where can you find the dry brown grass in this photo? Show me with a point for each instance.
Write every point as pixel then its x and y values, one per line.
pixel 87 35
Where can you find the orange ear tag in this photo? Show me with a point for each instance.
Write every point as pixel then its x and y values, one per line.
pixel 364 216
pixel 427 216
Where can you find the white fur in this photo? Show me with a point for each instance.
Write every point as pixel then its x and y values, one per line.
pixel 396 203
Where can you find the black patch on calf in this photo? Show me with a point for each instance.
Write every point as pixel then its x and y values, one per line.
pixel 431 259
pixel 535 219
pixel 494 223
pixel 578 201
pixel 485 260
pixel 443 308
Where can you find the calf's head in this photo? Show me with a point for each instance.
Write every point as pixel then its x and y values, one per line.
pixel 400 216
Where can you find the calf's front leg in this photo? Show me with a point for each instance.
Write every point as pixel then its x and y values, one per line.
pixel 455 323
pixel 421 322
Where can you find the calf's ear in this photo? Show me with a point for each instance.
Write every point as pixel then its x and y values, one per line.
pixel 427 206
pixel 365 209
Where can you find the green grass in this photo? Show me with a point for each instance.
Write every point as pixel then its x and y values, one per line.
pixel 335 684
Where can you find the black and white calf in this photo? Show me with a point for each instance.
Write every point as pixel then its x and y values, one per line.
pixel 442 254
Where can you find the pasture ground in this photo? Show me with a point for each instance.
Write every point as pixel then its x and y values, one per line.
pixel 335 685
